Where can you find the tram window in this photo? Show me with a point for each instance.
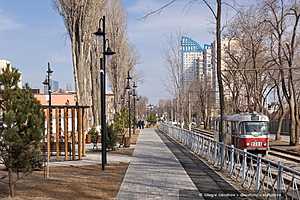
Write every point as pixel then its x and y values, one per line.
pixel 254 127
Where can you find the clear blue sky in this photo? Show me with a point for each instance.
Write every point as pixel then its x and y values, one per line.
pixel 32 33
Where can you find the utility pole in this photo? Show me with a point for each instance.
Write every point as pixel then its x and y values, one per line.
pixel 190 113
pixel 47 82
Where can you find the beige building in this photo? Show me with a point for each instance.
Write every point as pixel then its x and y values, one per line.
pixel 215 87
pixel 70 99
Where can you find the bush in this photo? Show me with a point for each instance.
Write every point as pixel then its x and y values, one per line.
pixel 94 136
pixel 112 138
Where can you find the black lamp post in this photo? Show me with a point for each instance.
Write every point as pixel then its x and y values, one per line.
pixel 128 88
pixel 106 52
pixel 134 106
pixel 47 82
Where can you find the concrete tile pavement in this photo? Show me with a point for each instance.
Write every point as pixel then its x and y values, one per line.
pixel 92 158
pixel 154 171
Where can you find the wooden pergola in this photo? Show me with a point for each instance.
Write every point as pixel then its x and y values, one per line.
pixel 67 133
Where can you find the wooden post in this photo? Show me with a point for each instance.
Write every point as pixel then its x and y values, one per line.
pixel 66 136
pixel 49 121
pixel 57 133
pixel 73 134
pixel 83 132
pixel 79 130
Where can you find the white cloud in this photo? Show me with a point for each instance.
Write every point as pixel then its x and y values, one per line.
pixel 8 23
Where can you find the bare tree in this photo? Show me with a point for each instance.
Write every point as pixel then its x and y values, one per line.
pixel 247 61
pixel 217 14
pixel 233 60
pixel 174 67
pixel 141 107
pixel 127 56
pixel 284 20
pixel 201 100
pixel 81 20
pixel 281 111
pixel 165 109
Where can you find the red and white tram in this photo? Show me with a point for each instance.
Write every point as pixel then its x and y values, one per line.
pixel 246 131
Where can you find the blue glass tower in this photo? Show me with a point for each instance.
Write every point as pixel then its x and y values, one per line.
pixel 192 60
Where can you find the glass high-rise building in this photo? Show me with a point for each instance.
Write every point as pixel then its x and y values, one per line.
pixel 192 60
pixel 197 61
pixel 54 87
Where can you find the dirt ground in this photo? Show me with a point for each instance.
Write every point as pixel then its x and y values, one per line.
pixel 285 146
pixel 123 151
pixel 72 182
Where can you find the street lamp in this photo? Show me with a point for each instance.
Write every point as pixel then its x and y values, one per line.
pixel 128 88
pixel 134 106
pixel 47 82
pixel 106 52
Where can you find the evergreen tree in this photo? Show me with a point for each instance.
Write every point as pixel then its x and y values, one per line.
pixel 22 130
pixel 151 119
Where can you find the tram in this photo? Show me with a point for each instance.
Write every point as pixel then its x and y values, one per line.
pixel 245 131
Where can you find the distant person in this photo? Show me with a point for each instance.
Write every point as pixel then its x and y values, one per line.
pixel 143 124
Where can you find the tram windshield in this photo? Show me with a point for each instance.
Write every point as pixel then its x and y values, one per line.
pixel 254 128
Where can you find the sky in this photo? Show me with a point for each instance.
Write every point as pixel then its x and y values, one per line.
pixel 33 34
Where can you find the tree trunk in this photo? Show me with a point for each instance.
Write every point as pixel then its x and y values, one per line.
pixel 11 184
pixel 84 82
pixel 278 136
pixel 95 91
pixel 219 73
pixel 297 133
pixel 293 123
pixel 297 125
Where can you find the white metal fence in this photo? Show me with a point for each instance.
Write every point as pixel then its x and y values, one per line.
pixel 265 177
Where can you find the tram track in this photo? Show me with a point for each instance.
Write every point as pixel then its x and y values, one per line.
pixel 203 132
pixel 287 157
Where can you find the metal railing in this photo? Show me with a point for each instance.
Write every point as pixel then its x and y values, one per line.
pixel 255 174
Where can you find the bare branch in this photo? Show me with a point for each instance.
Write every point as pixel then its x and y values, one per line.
pixel 159 10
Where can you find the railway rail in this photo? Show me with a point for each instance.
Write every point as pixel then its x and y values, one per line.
pixel 285 156
pixel 203 132
pixel 288 156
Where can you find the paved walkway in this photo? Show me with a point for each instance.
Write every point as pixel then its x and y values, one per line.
pixel 209 184
pixel 154 172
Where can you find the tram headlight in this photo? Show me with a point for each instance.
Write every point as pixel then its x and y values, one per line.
pixel 247 144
